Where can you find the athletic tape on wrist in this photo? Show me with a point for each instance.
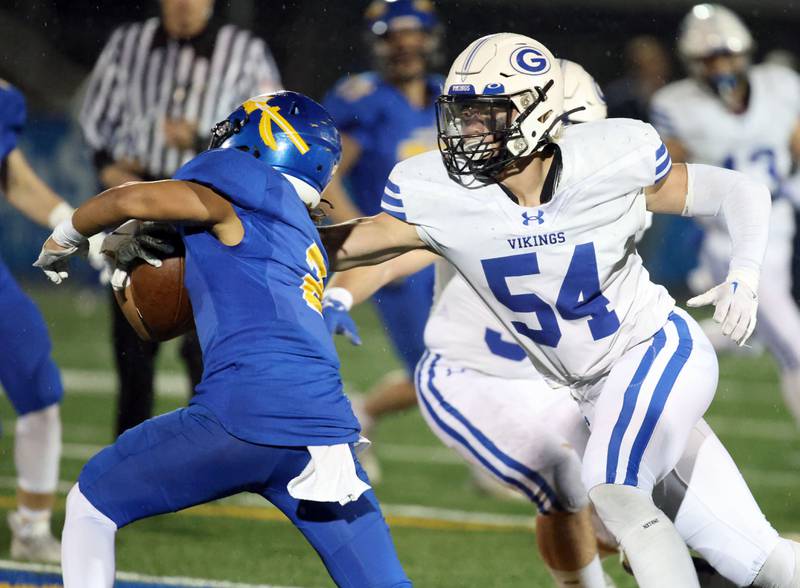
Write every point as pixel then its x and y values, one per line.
pixel 340 295
pixel 61 212
pixel 65 234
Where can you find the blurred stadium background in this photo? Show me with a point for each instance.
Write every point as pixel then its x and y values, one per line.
pixel 49 47
pixel 447 535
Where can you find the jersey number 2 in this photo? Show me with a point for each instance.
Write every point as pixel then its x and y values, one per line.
pixel 579 297
pixel 313 282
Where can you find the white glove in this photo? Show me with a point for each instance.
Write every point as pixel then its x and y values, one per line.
pixel 736 304
pixel 54 261
pixel 62 243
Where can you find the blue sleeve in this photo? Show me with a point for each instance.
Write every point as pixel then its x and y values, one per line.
pixel 12 117
pixel 240 177
pixel 352 105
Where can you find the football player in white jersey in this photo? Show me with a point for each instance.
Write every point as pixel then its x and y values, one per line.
pixel 538 227
pixel 482 397
pixel 747 118
pixel 489 404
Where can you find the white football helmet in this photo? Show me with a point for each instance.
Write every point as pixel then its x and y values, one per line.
pixel 581 92
pixel 503 100
pixel 711 29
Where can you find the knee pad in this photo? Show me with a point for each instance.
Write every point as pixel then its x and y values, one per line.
pixel 37 450
pixel 568 483
pixel 622 508
pixel 79 507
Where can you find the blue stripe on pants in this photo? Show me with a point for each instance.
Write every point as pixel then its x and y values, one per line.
pixel 629 404
pixel 659 398
pixel 487 444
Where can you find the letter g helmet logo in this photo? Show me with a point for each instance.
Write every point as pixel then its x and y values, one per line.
pixel 529 61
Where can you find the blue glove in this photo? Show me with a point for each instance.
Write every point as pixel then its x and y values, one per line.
pixel 337 318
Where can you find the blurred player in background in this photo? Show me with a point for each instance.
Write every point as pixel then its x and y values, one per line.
pixel 156 89
pixel 648 68
pixel 744 117
pixel 386 116
pixel 270 415
pixel 27 372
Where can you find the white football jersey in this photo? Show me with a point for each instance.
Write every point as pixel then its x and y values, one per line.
pixel 756 142
pixel 563 277
pixel 463 330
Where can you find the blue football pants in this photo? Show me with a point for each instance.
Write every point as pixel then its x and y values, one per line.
pixel 186 457
pixel 27 372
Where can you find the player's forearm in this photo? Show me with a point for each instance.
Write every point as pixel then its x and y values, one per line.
pixel 164 200
pixel 363 282
pixel 369 241
pixel 746 206
pixel 27 192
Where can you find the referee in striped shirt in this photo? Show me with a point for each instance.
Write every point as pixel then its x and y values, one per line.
pixel 153 96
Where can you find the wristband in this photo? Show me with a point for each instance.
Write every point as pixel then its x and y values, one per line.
pixel 340 295
pixel 65 234
pixel 60 212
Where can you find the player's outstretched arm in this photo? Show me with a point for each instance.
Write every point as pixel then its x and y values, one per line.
pixel 369 241
pixel 704 190
pixel 167 200
pixel 363 282
pixel 26 191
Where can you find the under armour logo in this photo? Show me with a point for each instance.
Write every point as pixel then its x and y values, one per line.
pixel 526 219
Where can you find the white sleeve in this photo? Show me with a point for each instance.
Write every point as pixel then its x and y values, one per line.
pixel 745 205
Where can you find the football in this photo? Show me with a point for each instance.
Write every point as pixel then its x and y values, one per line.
pixel 155 301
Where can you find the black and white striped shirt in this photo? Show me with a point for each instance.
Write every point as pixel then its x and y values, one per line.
pixel 143 77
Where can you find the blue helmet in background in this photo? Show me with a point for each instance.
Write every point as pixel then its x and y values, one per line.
pixel 291 133
pixel 384 16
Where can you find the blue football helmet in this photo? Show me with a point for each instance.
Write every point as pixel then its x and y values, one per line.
pixel 385 16
pixel 291 133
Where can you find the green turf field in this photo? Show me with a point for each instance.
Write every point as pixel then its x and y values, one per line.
pixel 446 533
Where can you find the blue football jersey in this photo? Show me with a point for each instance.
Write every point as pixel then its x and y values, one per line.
pixel 385 125
pixel 12 117
pixel 271 373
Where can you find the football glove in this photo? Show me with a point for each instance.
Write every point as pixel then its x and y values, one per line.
pixel 150 244
pixel 336 303
pixel 736 304
pixel 53 260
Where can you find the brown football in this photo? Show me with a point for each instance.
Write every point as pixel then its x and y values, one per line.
pixel 155 301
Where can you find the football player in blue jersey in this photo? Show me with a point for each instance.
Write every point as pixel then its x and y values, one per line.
pixel 385 116
pixel 269 415
pixel 27 372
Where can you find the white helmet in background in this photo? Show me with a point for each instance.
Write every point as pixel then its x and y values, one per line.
pixel 711 29
pixel 503 100
pixel 711 32
pixel 581 92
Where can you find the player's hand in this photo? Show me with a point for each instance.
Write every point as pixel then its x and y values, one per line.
pixel 53 259
pixel 150 245
pixel 736 304
pixel 335 306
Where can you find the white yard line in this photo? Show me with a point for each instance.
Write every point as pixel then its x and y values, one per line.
pixel 134 577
